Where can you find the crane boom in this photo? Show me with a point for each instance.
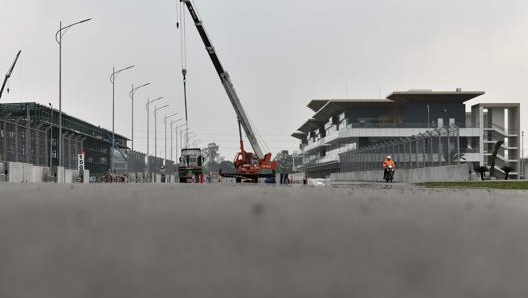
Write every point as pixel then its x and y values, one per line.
pixel 226 82
pixel 8 75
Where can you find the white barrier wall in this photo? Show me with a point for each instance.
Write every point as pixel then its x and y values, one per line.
pixel 68 176
pixel 86 176
pixel 3 176
pixel 451 173
pixel 15 172
pixel 59 174
pixel 18 172
pixel 39 174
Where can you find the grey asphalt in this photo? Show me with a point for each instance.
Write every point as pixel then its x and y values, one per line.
pixel 365 240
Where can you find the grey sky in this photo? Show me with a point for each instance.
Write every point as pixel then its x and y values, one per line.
pixel 280 55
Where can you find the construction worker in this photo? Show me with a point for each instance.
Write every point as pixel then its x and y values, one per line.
pixel 386 163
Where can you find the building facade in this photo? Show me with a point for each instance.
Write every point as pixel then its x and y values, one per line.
pixel 344 125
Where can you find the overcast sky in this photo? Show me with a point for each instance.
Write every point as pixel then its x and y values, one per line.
pixel 280 55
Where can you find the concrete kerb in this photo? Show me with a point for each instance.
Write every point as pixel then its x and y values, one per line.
pixel 452 173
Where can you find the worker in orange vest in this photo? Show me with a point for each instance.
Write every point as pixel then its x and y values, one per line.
pixel 386 163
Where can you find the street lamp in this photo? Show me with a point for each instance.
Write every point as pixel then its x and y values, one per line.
pixel 51 137
pixel 190 135
pixel 131 94
pixel 147 107
pixel 166 117
pixel 186 132
pixel 156 109
pixel 172 122
pixel 195 142
pixel 58 38
pixel 112 80
pixel 176 130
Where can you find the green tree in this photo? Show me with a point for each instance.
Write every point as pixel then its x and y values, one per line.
pixel 210 153
pixel 213 160
pixel 285 160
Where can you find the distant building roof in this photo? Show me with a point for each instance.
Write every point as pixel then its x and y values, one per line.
pixel 299 135
pixel 310 125
pixel 430 95
pixel 335 106
pixel 316 104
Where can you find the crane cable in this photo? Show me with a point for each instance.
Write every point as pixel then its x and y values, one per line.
pixel 258 135
pixel 183 56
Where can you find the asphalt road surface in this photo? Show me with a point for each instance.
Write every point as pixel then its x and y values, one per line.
pixel 366 240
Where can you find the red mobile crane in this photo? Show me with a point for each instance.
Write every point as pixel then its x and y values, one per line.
pixel 248 165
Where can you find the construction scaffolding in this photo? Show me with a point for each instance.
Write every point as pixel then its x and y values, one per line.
pixel 437 147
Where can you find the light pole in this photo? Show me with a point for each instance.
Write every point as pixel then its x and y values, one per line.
pixel 131 94
pixel 156 109
pixel 176 130
pixel 147 107
pixel 166 117
pixel 112 80
pixel 58 38
pixel 190 135
pixel 171 150
pixel 51 137
pixel 195 142
pixel 522 155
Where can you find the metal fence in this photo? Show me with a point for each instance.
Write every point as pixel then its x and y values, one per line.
pixel 136 164
pixel 19 142
pixel 136 161
pixel 27 142
pixel 36 143
pixel 437 147
pixel 72 146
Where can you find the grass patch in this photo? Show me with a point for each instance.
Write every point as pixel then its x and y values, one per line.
pixel 522 185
